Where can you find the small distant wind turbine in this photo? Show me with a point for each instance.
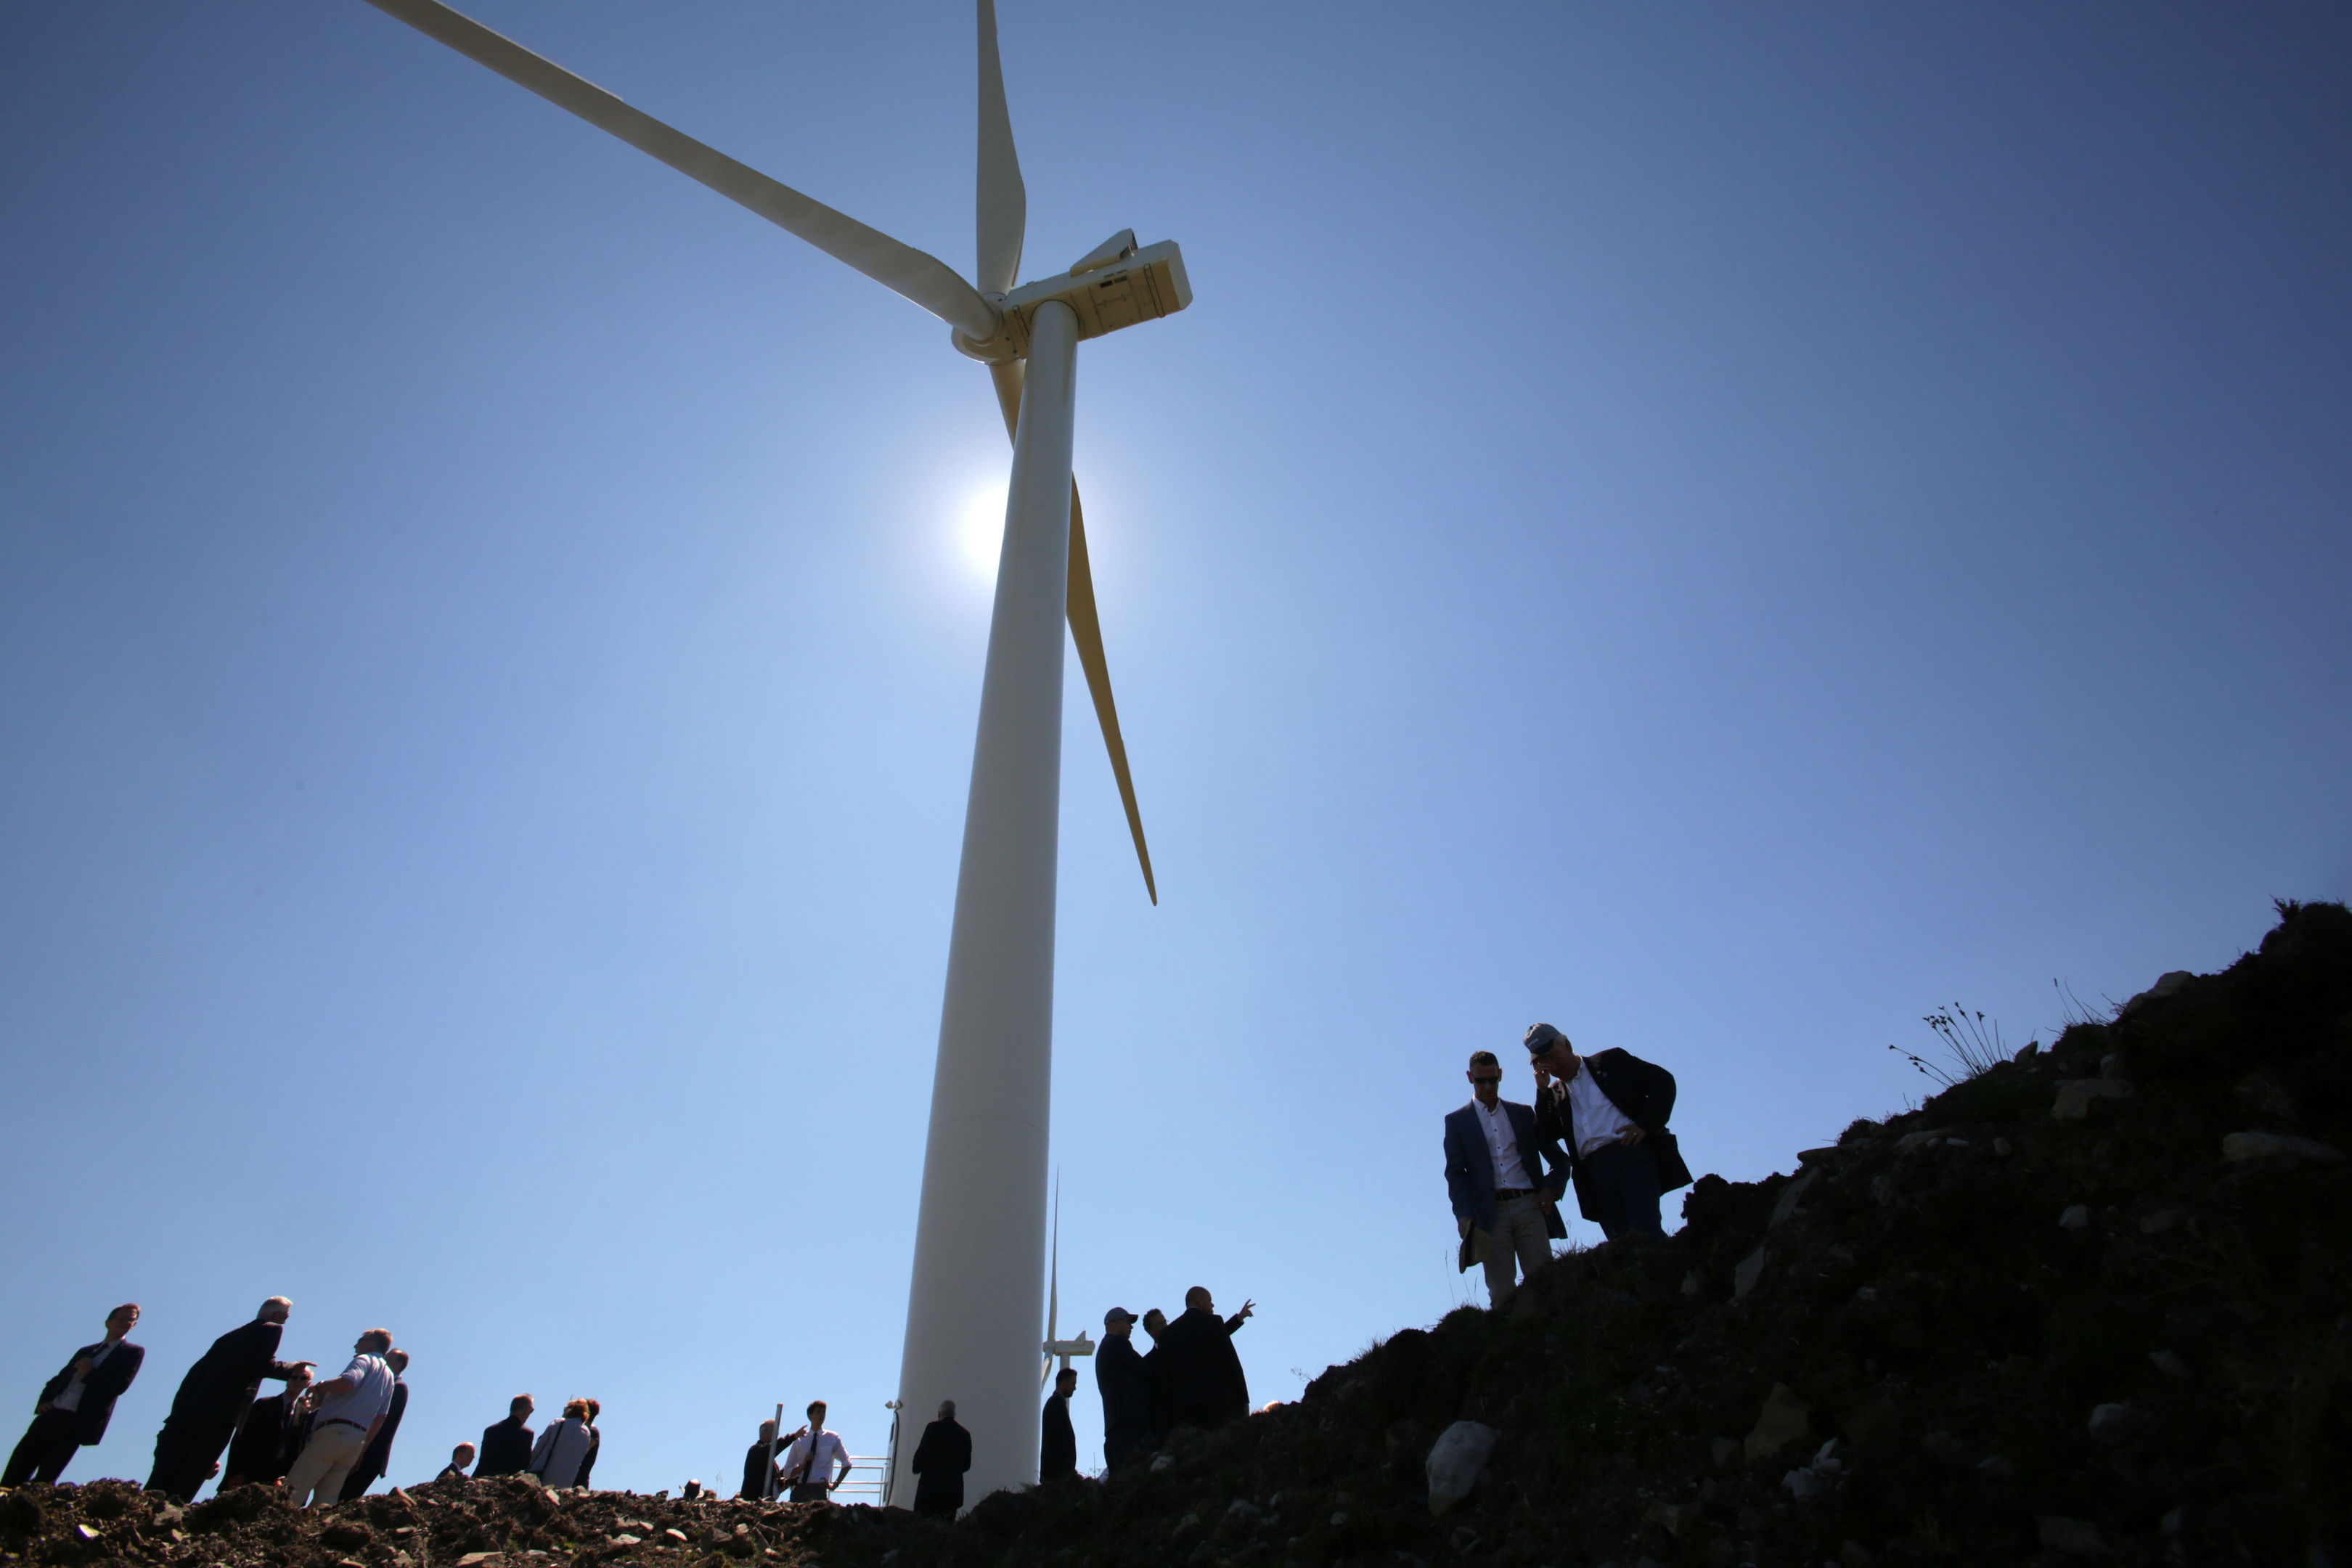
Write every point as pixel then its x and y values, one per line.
pixel 971 1306
pixel 1054 1344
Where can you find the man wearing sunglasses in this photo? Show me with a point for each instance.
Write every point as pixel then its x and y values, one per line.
pixel 1504 1208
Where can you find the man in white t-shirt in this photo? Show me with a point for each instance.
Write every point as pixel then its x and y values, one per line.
pixel 346 1410
pixel 808 1467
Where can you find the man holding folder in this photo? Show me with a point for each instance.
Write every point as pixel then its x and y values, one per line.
pixel 1506 1211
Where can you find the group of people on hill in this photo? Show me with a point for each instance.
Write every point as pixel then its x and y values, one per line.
pixel 807 1465
pixel 1191 1376
pixel 320 1441
pixel 1599 1123
pixel 564 1454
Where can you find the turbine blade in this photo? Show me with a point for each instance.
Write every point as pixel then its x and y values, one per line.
pixel 1003 209
pixel 925 279
pixel 1085 630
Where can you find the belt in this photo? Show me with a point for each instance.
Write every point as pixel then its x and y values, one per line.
pixel 1513 1192
pixel 343 1421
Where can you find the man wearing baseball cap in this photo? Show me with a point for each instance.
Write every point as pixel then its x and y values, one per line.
pixel 1609 1111
pixel 1125 1383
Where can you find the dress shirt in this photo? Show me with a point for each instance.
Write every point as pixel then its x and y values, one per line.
pixel 1594 1117
pixel 829 1452
pixel 69 1398
pixel 1502 1144
pixel 368 1397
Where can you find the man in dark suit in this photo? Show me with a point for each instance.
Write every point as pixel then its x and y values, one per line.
pixel 212 1399
pixel 1610 1111
pixel 1505 1210
pixel 1125 1384
pixel 1199 1376
pixel 940 1460
pixel 506 1444
pixel 75 1405
pixel 1058 1457
pixel 274 1431
pixel 764 1478
pixel 377 1456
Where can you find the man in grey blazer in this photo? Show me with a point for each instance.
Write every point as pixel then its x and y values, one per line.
pixel 1504 1207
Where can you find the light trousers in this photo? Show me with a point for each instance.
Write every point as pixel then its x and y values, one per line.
pixel 1517 1240
pixel 317 1475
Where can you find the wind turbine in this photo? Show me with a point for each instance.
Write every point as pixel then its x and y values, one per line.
pixel 972 1308
pixel 1054 1344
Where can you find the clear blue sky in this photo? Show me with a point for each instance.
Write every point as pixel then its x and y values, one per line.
pixel 1723 529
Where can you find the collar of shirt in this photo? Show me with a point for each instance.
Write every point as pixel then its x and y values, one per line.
pixel 1502 1144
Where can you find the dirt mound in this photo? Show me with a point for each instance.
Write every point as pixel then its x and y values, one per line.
pixel 2092 1305
pixel 504 1523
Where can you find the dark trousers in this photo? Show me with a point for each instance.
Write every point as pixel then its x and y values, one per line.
pixel 1124 1446
pixel 183 1457
pixel 1625 1182
pixel 356 1484
pixel 47 1446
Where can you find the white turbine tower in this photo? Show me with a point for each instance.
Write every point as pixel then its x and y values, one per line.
pixel 979 1241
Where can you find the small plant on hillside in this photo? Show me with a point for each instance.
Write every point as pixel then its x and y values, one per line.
pixel 2073 1010
pixel 1973 1049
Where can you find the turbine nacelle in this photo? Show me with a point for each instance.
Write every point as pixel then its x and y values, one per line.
pixel 1115 285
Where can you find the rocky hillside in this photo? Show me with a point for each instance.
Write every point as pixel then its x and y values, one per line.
pixel 2093 1304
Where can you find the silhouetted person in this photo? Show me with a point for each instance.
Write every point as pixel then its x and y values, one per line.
pixel 459 1457
pixel 74 1406
pixel 1610 1111
pixel 762 1458
pixel 940 1460
pixel 808 1467
pixel 274 1431
pixel 555 1457
pixel 212 1399
pixel 1505 1210
pixel 1155 1323
pixel 346 1411
pixel 378 1459
pixel 1199 1374
pixel 595 1441
pixel 1057 1457
pixel 1125 1383
pixel 506 1444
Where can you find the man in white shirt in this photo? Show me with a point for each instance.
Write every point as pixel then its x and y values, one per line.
pixel 808 1467
pixel 1505 1211
pixel 346 1411
pixel 1609 1110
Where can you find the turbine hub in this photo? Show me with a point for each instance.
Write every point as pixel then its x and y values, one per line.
pixel 1140 286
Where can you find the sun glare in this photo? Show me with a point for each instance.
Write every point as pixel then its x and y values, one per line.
pixel 980 527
